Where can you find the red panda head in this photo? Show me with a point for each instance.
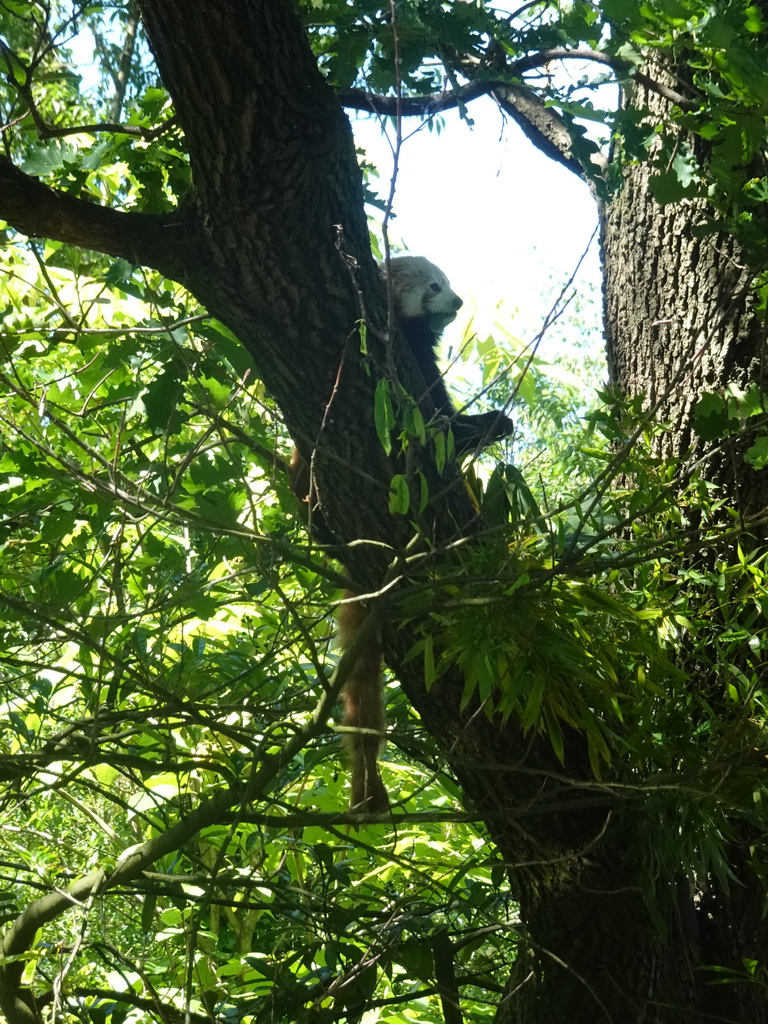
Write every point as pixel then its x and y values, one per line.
pixel 419 288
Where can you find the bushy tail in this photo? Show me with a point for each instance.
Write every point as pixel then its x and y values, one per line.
pixel 363 713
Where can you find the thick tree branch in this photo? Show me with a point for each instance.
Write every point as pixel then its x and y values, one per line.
pixel 33 208
pixel 414 106
pixel 623 69
pixel 426 106
pixel 541 125
pixel 46 131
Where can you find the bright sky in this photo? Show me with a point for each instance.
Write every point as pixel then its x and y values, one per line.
pixel 503 221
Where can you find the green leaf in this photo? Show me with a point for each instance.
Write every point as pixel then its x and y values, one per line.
pixel 399 495
pixel 533 703
pixel 384 417
pixel 669 188
pixel 161 400
pixel 710 417
pixel 429 662
pixel 227 346
pixel 757 454
pixel 48 158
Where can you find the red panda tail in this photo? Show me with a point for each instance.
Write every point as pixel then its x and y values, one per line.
pixel 363 713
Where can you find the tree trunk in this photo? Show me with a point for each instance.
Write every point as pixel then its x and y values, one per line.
pixel 679 321
pixel 284 253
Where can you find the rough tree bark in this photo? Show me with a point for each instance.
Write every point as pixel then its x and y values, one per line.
pixel 274 243
pixel 679 320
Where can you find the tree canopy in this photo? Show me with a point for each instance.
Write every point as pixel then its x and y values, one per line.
pixel 575 625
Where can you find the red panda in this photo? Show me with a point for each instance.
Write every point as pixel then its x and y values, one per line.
pixel 424 304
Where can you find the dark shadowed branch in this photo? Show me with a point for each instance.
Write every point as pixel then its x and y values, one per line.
pixel 154 240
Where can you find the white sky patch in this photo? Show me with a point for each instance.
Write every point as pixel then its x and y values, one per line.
pixel 503 221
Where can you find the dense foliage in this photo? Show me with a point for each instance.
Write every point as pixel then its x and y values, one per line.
pixel 169 679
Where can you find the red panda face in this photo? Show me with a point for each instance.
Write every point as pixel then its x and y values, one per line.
pixel 421 289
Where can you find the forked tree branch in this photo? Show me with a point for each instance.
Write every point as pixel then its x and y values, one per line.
pixel 541 124
pixel 424 106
